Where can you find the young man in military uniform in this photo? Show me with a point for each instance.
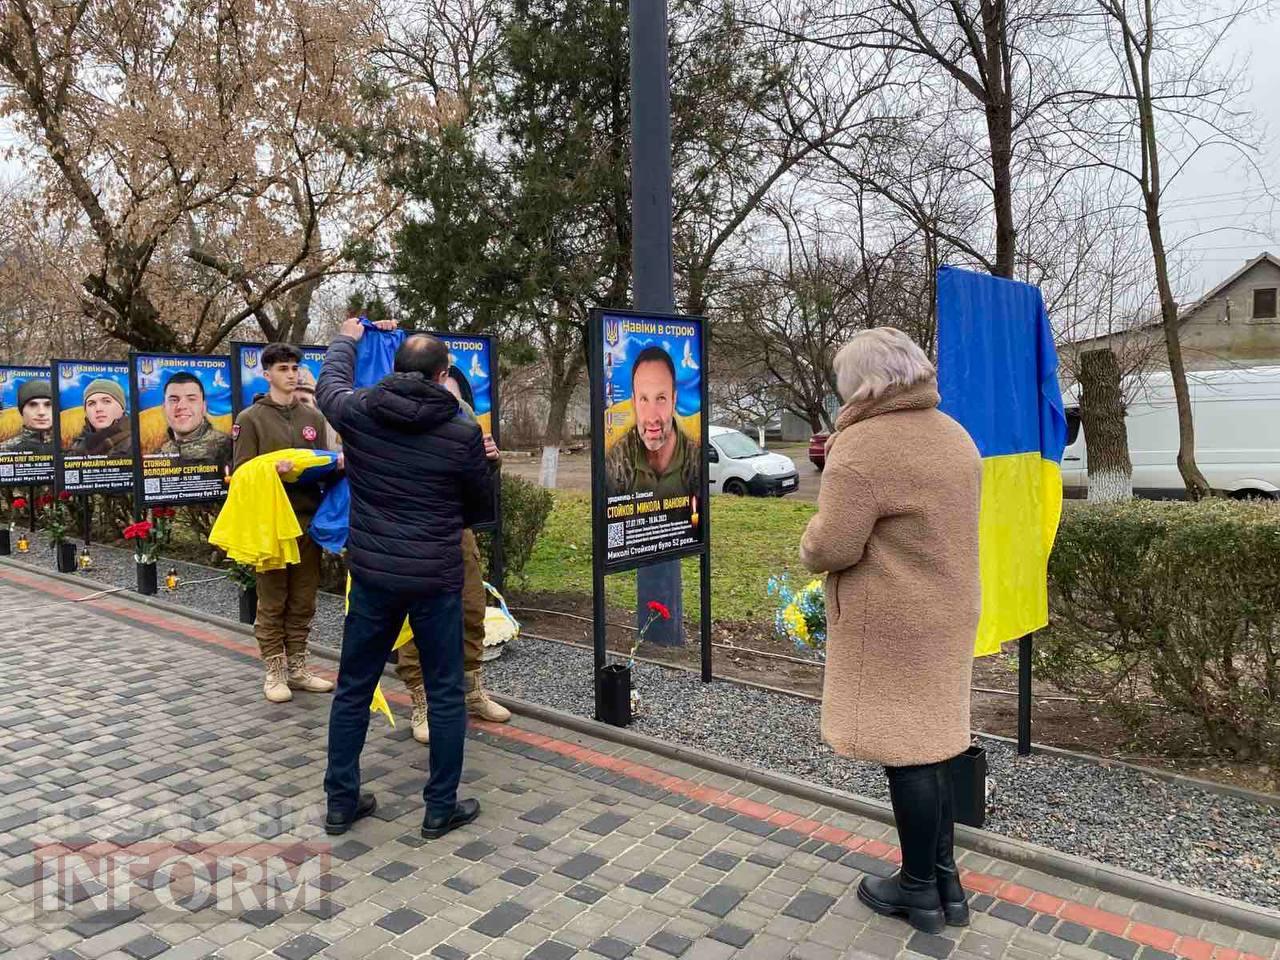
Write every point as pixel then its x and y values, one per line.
pixel 656 457
pixel 35 403
pixel 474 602
pixel 192 438
pixel 107 431
pixel 278 420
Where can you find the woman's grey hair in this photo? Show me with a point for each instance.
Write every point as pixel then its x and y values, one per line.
pixel 879 361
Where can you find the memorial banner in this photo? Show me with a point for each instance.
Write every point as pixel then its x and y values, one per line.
pixel 182 422
pixel 248 380
pixel 649 437
pixel 93 432
pixel 26 426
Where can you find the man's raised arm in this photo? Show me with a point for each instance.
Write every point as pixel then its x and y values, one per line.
pixel 335 388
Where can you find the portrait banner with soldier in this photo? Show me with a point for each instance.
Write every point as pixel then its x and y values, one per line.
pixel 649 412
pixel 249 380
pixel 93 432
pixel 26 425
pixel 182 421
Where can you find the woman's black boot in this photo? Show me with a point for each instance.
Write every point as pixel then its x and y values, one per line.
pixel 955 902
pixel 912 893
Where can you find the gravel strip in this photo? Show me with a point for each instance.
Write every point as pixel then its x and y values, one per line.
pixel 1113 815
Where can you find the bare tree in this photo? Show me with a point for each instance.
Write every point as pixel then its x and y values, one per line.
pixel 220 161
pixel 1158 100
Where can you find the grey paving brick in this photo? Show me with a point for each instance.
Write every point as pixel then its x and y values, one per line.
pixel 613 948
pixel 544 813
pixel 1072 932
pixel 519 876
pixel 647 882
pixel 447 952
pixel 302 947
pixel 532 843
pixel 144 948
pixel 1113 946
pixel 719 900
pixel 400 921
pixel 733 935
pixel 475 850
pixel 931 946
pixel 104 920
pixel 500 919
pixel 1012 913
pixel 605 823
pixel 585 893
pixel 719 860
pixel 581 866
pixel 809 906
pixel 551 950
pixel 1151 953
pixel 393 871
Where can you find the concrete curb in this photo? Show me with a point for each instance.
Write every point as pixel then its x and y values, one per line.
pixel 1199 904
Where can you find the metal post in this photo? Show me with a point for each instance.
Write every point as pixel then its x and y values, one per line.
pixel 1024 696
pixel 31 508
pixel 651 257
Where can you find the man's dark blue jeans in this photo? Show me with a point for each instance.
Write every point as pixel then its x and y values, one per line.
pixel 374 619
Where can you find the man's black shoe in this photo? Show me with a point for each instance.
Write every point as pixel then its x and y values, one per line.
pixel 336 823
pixel 464 811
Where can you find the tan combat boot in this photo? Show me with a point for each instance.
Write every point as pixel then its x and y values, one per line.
pixel 478 703
pixel 421 731
pixel 276 687
pixel 301 677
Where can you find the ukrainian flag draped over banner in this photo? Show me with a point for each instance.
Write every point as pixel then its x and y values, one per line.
pixel 998 376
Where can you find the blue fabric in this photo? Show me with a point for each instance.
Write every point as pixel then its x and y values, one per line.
pixel 375 359
pixel 997 366
pixel 373 621
pixel 417 473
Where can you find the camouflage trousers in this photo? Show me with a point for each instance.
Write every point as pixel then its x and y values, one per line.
pixel 409 666
pixel 287 603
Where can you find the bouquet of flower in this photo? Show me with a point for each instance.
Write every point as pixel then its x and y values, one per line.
pixel 657 611
pixel 148 535
pixel 57 515
pixel 801 616
pixel 18 504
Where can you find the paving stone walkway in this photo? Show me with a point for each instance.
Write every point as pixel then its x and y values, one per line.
pixel 153 804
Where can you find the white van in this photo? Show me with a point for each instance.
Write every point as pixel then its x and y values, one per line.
pixel 1236 413
pixel 739 466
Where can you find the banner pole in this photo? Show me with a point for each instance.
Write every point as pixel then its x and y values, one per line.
pixel 31 508
pixel 1024 695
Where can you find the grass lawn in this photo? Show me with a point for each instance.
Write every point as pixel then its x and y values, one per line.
pixel 752 539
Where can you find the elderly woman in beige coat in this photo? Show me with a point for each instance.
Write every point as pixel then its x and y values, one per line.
pixel 897 535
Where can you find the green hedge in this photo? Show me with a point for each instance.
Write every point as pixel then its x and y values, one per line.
pixel 525 509
pixel 1173 603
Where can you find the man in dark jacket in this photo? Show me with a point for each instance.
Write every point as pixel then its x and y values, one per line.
pixel 418 476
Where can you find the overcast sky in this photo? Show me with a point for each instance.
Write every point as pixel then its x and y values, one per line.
pixel 1218 212
pixel 1220 194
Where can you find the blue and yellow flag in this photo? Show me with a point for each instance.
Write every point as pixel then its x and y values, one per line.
pixel 257 525
pixel 998 376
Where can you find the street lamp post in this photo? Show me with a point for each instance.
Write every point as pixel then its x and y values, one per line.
pixel 653 286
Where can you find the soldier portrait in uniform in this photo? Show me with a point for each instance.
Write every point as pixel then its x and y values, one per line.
pixel 656 457
pixel 107 430
pixel 35 404
pixel 191 438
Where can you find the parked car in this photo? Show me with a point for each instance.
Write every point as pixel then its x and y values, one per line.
pixel 740 466
pixel 818 450
pixel 1237 419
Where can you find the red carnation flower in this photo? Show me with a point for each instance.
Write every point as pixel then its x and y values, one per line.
pixel 660 609
pixel 19 503
pixel 64 495
pixel 44 500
